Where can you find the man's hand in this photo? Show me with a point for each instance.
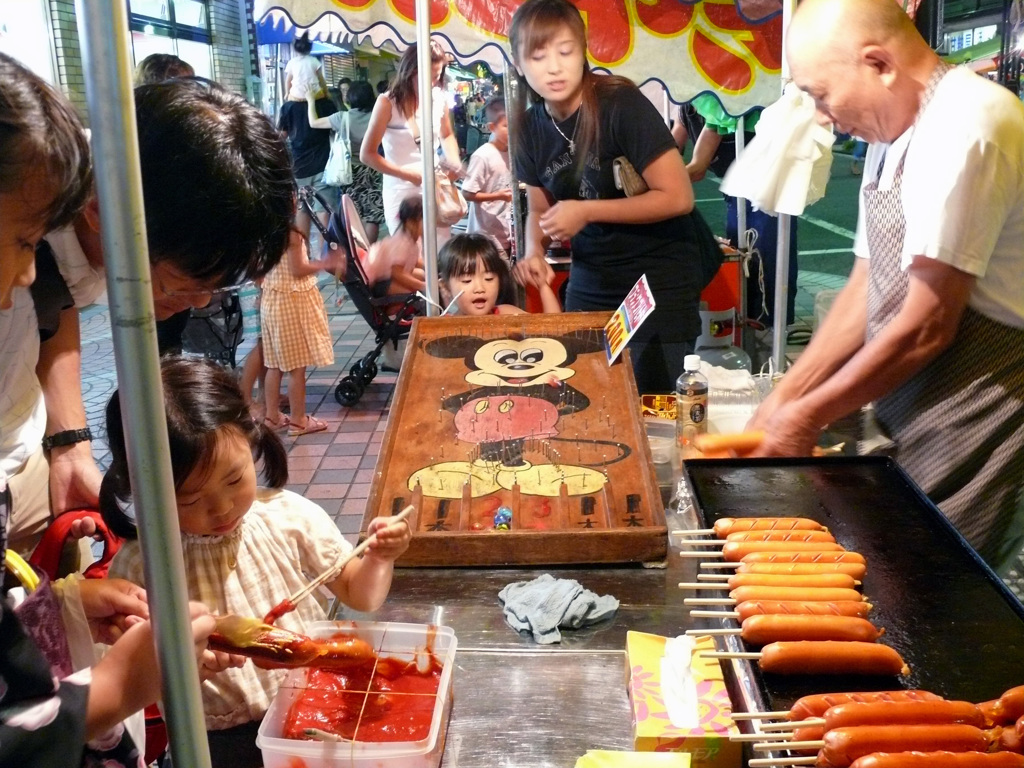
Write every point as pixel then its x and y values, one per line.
pixel 112 606
pixel 564 219
pixel 74 478
pixel 789 431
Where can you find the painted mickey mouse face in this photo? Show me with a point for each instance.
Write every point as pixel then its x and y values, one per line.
pixel 507 362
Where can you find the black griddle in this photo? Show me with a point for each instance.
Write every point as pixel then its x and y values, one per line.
pixel 957 626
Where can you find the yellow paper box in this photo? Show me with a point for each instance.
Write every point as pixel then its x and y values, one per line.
pixel 709 743
pixel 603 758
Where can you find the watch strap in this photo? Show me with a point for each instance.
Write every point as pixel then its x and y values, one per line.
pixel 67 437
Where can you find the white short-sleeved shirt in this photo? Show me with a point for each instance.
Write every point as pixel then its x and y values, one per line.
pixel 283 541
pixel 303 69
pixel 22 412
pixel 86 282
pixel 963 189
pixel 489 172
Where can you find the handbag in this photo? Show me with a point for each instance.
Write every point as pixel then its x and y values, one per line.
pixel 338 171
pixel 451 205
pixel 626 178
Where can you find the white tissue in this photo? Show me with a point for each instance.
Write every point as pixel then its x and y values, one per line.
pixel 786 166
pixel 678 688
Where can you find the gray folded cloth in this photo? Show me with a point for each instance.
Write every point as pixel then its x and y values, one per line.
pixel 544 604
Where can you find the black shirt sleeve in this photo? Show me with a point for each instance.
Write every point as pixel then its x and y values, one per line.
pixel 50 293
pixel 636 128
pixel 525 157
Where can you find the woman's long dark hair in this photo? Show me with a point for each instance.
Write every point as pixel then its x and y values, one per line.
pixel 534 23
pixel 200 398
pixel 404 87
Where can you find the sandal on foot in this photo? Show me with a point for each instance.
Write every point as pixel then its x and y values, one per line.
pixel 280 423
pixel 313 424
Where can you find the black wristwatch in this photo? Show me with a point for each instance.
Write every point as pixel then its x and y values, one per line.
pixel 67 437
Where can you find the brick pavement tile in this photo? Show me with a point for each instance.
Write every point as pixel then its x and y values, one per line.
pixel 316 438
pixel 354 425
pixel 339 462
pixel 330 506
pixel 364 476
pixel 304 462
pixel 372 449
pixel 335 476
pixel 348 524
pixel 368 461
pixel 345 449
pixel 300 476
pixel 299 489
pixel 302 449
pixel 353 507
pixel 358 491
pixel 362 438
pixel 326 491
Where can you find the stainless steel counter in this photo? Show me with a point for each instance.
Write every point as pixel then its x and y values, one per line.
pixel 521 704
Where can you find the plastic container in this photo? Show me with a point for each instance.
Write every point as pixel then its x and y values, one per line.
pixel 405 642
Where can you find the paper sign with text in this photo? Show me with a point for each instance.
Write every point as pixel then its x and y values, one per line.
pixel 619 329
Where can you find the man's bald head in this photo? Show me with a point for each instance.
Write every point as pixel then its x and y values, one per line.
pixel 863 62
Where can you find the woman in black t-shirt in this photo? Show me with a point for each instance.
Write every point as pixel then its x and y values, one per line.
pixel 578 123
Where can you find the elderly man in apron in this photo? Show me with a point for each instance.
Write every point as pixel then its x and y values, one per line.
pixel 931 323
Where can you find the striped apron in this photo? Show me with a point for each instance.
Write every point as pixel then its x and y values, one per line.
pixel 958 424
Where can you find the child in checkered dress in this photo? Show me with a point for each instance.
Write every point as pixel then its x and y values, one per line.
pixel 295 332
pixel 245 548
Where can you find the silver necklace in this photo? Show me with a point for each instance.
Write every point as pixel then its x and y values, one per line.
pixel 571 140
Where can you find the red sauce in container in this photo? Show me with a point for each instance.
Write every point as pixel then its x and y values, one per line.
pixel 384 700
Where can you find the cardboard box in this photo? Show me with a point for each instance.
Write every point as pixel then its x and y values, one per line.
pixel 709 743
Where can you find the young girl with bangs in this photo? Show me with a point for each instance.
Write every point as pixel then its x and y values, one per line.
pixel 475 275
pixel 245 548
pixel 578 123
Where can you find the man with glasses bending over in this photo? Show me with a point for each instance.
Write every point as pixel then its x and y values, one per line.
pixel 219 197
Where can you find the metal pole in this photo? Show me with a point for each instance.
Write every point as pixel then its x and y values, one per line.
pixel 425 86
pixel 741 203
pixel 782 248
pixel 511 86
pixel 103 28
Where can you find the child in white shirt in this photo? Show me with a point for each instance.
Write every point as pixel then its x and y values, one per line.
pixel 487 187
pixel 303 72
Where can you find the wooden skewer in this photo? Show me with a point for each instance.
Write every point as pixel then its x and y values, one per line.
pixel 764 762
pixel 715 614
pixel 321 735
pixel 760 715
pixel 789 725
pixel 713 631
pixel 332 573
pixel 709 601
pixel 766 746
pixel 720 565
pixel 723 577
pixel 700 542
pixel 781 737
pixel 701 553
pixel 694 585
pixel 697 532
pixel 730 655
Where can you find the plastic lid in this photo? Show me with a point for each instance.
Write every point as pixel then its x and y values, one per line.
pixel 691 363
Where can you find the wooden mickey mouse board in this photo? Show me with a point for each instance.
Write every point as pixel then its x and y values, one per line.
pixel 518 445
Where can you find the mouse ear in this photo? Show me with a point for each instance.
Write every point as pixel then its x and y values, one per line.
pixel 583 341
pixel 454 346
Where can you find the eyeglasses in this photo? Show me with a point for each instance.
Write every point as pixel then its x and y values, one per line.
pixel 211 292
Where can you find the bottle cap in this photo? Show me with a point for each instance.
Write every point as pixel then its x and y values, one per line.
pixel 691 363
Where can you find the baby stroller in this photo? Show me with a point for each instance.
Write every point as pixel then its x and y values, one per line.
pixel 389 317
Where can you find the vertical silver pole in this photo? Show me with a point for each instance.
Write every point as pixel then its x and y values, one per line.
pixel 511 85
pixel 782 250
pixel 103 27
pixel 425 86
pixel 741 203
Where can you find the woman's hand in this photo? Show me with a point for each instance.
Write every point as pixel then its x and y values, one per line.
pixel 112 606
pixel 534 271
pixel 414 177
pixel 564 219
pixel 392 538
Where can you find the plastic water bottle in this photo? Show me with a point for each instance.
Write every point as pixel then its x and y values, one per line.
pixel 691 405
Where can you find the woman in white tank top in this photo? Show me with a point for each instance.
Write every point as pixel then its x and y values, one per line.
pixel 392 124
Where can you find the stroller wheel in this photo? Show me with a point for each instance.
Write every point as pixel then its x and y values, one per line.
pixel 348 391
pixel 367 371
